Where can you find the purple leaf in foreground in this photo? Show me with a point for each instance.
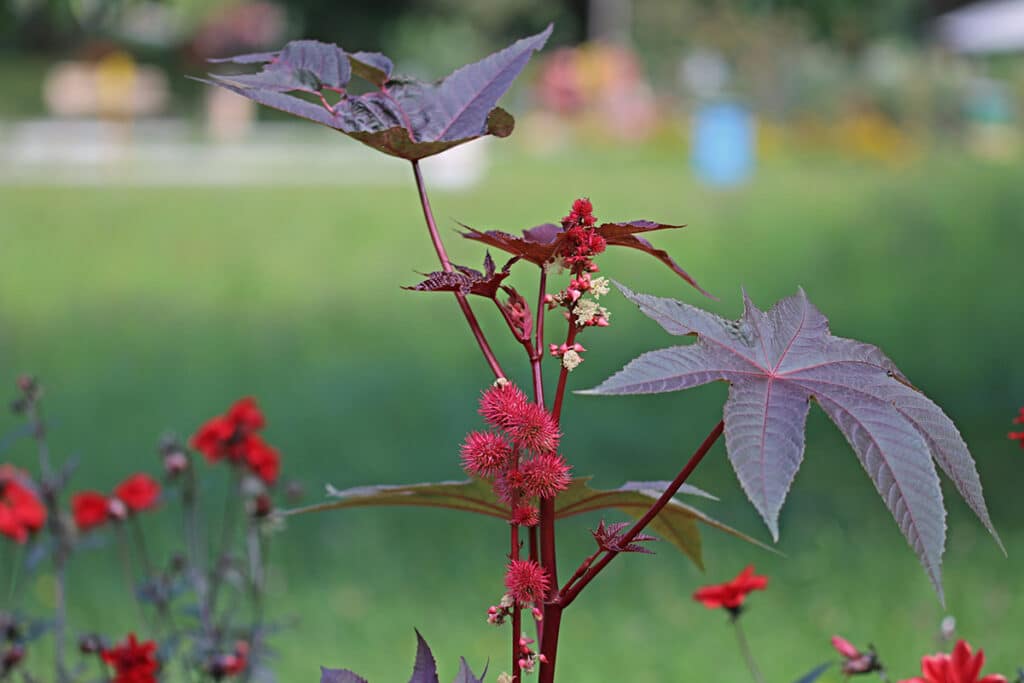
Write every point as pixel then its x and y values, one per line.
pixel 339 676
pixel 402 117
pixel 775 362
pixel 678 523
pixel 466 675
pixel 425 669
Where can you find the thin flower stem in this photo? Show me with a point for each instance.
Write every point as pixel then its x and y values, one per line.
pixel 442 255
pixel 563 376
pixel 193 545
pixel 257 551
pixel 226 542
pixel 569 595
pixel 18 557
pixel 538 348
pixel 748 656
pixel 128 569
pixel 50 486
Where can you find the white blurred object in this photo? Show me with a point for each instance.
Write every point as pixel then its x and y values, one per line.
pixel 704 73
pixel 459 168
pixel 988 26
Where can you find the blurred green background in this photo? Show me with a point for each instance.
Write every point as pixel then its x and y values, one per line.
pixel 150 307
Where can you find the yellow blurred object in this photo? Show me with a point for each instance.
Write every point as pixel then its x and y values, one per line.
pixel 116 75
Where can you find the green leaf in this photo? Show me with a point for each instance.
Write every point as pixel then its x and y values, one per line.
pixel 678 523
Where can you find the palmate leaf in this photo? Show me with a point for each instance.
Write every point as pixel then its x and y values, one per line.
pixel 544 242
pixel 467 280
pixel 401 116
pixel 678 523
pixel 775 362
pixel 424 669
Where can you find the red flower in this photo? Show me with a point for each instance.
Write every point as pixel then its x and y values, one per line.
pixel 90 509
pixel 1018 436
pixel 526 581
pixel 133 662
pixel 485 454
pixel 246 416
pixel 212 438
pixel 225 435
pixel 731 594
pixel 231 664
pixel 262 459
pixel 138 492
pixel 545 475
pixel 21 513
pixel 959 667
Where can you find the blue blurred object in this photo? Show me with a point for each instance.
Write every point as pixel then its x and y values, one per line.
pixel 723 143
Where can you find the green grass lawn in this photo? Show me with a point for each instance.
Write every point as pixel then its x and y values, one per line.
pixel 145 310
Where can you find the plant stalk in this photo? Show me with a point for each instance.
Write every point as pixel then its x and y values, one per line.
pixel 748 656
pixel 442 255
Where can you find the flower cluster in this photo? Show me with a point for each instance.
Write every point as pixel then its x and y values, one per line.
pixel 133 662
pixel 731 594
pixel 962 666
pixel 21 512
pixel 582 242
pixel 234 436
pixel 135 494
pixel 1018 436
pixel 528 659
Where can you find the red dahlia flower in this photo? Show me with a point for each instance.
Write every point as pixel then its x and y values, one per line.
pixel 731 594
pixel 21 513
pixel 225 435
pixel 90 509
pixel 133 662
pixel 959 667
pixel 1018 436
pixel 262 459
pixel 138 492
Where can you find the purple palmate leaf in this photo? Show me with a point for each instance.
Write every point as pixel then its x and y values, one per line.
pixel 424 669
pixel 542 244
pixel 339 676
pixel 401 116
pixel 775 362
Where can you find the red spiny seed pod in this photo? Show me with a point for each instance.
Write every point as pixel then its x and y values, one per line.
pixel 545 475
pixel 534 429
pixel 526 581
pixel 485 454
pixel 502 403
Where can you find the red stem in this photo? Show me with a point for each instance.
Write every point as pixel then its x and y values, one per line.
pixel 517 614
pixel 570 339
pixel 569 594
pixel 538 349
pixel 553 608
pixel 442 255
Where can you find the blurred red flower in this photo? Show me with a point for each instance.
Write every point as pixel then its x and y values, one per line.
pixel 959 667
pixel 138 492
pixel 731 594
pixel 133 662
pixel 1018 436
pixel 262 459
pixel 90 509
pixel 21 513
